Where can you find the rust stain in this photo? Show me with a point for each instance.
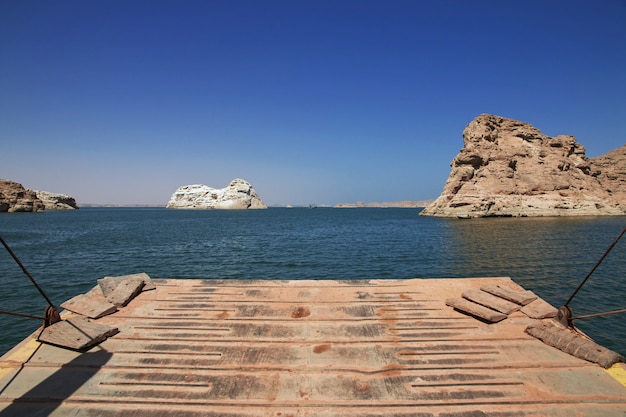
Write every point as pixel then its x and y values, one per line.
pixel 392 370
pixel 321 348
pixel 300 312
pixel 405 297
pixel 223 315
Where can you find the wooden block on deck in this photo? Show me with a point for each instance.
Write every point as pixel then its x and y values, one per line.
pixel 90 306
pixel 148 284
pixel 125 291
pixel 109 284
pixel 491 301
pixel 519 297
pixel 76 333
pixel 475 310
pixel 539 309
pixel 574 344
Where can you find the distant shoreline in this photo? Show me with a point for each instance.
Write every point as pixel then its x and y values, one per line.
pixel 120 205
pixel 389 204
pixel 358 204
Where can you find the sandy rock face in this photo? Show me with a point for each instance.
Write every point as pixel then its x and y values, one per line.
pixel 612 173
pixel 15 198
pixel 238 195
pixel 509 168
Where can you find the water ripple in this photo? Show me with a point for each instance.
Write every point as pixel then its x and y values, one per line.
pixel 68 251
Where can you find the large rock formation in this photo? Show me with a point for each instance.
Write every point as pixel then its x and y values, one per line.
pixel 509 168
pixel 53 201
pixel 238 195
pixel 15 198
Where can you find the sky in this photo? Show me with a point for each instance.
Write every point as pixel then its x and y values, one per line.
pixel 311 101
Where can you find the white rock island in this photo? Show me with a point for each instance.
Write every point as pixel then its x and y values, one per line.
pixel 239 195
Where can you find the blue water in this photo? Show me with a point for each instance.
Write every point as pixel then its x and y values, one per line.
pixel 67 251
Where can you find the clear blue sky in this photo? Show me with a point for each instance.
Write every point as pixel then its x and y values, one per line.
pixel 320 101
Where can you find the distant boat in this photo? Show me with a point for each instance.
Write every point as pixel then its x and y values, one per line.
pixel 312 205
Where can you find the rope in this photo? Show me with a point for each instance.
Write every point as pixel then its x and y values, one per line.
pixel 600 314
pixel 596 265
pixel 28 316
pixel 26 271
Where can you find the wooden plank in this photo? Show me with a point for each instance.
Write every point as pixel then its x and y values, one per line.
pixel 109 284
pixel 148 283
pixel 475 310
pixel 574 344
pixel 539 309
pixel 491 301
pixel 125 291
pixel 76 333
pixel 90 306
pixel 520 297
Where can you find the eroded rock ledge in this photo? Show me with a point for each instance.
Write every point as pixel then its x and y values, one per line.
pixel 238 195
pixel 54 201
pixel 509 168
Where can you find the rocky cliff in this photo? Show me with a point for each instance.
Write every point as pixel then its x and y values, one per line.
pixel 15 198
pixel 509 168
pixel 611 169
pixel 238 195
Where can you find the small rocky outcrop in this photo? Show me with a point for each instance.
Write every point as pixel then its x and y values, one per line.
pixel 15 198
pixel 53 201
pixel 509 168
pixel 239 195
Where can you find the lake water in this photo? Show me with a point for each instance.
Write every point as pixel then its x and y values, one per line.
pixel 67 251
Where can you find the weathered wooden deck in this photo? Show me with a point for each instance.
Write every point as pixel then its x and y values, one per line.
pixel 306 348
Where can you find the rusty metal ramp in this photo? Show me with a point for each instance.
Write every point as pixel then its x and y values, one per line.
pixel 307 348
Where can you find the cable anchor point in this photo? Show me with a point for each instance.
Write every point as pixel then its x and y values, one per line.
pixel 564 316
pixel 51 315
